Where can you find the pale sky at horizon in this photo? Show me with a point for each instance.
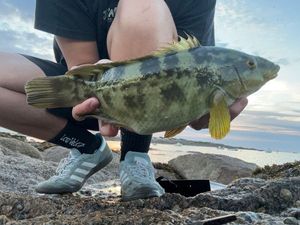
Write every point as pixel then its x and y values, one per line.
pixel 269 28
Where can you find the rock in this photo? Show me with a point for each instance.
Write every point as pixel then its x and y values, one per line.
pixel 259 196
pixel 291 220
pixel 253 200
pixel 41 146
pixel 20 147
pixel 165 170
pixel 219 168
pixel 21 173
pixel 291 169
pixel 55 153
pixel 14 136
pixel 292 212
pixel 3 220
pixel 286 194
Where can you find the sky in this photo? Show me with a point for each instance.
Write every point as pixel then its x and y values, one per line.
pixel 269 28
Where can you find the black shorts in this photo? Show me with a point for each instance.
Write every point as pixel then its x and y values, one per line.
pixel 56 69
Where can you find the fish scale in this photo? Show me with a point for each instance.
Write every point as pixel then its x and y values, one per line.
pixel 164 91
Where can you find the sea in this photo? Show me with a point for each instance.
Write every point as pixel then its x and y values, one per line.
pixel 164 152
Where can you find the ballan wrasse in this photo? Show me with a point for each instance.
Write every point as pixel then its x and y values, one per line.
pixel 164 91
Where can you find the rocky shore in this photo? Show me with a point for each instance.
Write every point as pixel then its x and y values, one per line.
pixel 270 195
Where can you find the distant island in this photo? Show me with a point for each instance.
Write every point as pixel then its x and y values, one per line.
pixel 161 140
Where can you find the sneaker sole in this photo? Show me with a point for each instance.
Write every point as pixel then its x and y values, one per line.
pixel 142 193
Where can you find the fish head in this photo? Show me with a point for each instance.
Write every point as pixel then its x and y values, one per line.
pixel 253 72
pixel 247 73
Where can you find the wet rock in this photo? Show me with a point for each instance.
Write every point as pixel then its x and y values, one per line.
pixel 219 168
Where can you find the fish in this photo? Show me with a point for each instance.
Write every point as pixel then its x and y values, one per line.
pixel 163 91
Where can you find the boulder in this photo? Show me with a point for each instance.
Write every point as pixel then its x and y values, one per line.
pixel 219 168
pixel 20 147
pixel 55 153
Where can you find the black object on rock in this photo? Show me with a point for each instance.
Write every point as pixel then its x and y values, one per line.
pixel 187 188
pixel 217 220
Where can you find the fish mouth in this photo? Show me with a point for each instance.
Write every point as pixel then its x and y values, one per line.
pixel 274 73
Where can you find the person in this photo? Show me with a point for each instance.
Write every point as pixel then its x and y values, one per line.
pixel 86 31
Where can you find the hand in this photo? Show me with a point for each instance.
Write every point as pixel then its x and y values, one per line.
pixel 235 109
pixel 89 106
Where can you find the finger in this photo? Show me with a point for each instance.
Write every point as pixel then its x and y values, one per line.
pixel 200 123
pixel 84 108
pixel 107 129
pixel 237 107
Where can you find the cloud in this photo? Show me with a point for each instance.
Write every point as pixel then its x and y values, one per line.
pixel 282 61
pixel 17 32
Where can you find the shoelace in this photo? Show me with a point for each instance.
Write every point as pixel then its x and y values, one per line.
pixel 141 170
pixel 63 164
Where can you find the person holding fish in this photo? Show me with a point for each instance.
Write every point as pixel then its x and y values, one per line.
pixel 86 32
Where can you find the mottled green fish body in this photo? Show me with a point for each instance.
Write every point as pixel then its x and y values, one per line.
pixel 161 92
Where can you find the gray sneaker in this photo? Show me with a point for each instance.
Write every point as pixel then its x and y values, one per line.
pixel 137 177
pixel 73 171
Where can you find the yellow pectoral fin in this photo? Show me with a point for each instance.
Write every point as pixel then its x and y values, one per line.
pixel 219 122
pixel 174 132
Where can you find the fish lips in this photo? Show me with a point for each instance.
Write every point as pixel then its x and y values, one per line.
pixel 273 73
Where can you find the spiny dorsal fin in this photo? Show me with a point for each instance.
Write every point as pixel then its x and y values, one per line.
pixel 176 46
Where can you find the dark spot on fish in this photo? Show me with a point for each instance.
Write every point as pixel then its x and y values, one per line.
pixel 172 92
pixel 107 98
pixel 170 61
pixel 132 101
pixel 118 72
pixel 125 86
pixel 200 55
pixel 150 66
pixel 169 72
pixel 153 82
pixel 206 77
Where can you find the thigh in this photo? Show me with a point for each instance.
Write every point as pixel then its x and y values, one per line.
pixel 142 25
pixel 16 70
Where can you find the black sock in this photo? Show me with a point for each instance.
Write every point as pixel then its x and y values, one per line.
pixel 134 142
pixel 74 136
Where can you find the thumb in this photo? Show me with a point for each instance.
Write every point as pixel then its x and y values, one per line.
pixel 87 107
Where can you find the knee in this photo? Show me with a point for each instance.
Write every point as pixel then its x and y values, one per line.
pixel 143 17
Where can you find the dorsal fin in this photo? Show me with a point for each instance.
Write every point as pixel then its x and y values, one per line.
pixel 94 72
pixel 176 46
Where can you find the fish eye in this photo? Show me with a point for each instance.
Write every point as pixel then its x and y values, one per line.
pixel 251 64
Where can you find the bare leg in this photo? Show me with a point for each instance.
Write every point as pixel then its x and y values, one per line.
pixel 15 114
pixel 140 27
